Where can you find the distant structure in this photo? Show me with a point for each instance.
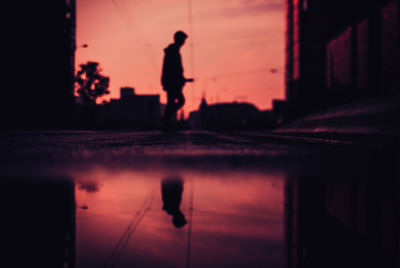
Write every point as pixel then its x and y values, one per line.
pixel 231 116
pixel 131 111
pixel 339 51
pixel 39 59
pixel 125 92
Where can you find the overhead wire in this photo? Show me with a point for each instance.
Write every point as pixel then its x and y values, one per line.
pixel 215 78
pixel 119 253
pixel 139 34
pixel 190 221
pixel 191 47
pixel 120 246
pixel 240 73
pixel 143 45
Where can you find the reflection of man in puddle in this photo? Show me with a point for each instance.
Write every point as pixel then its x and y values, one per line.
pixel 171 193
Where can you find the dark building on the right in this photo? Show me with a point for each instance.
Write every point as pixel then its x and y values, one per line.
pixel 339 218
pixel 340 51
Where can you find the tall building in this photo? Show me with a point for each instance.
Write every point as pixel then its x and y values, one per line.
pixel 340 51
pixel 39 58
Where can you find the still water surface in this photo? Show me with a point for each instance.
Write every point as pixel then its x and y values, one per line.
pixel 226 219
pixel 339 211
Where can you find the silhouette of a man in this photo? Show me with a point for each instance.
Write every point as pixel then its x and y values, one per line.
pixel 171 194
pixel 172 78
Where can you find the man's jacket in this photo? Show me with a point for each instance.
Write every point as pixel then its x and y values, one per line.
pixel 172 71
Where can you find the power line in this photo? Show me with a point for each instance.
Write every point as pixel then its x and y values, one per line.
pixel 138 33
pixel 191 46
pixel 237 40
pixel 128 237
pixel 124 14
pixel 241 73
pixel 189 235
pixel 124 239
pixel 121 12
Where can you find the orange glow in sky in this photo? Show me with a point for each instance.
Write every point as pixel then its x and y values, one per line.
pixel 236 44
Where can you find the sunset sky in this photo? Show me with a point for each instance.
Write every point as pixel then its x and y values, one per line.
pixel 235 42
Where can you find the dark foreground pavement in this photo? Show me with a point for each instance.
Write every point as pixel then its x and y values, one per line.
pixel 83 148
pixel 248 199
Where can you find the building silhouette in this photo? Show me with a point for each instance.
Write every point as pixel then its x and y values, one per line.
pixel 231 116
pixel 38 63
pixel 131 111
pixel 340 51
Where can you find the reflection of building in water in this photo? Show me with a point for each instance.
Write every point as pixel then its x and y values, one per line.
pixel 171 193
pixel 339 51
pixel 346 223
pixel 132 111
pixel 38 222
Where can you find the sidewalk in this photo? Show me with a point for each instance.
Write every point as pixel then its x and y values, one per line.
pixel 373 122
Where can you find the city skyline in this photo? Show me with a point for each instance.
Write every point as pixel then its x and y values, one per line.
pixel 238 47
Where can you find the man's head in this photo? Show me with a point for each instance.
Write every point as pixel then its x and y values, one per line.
pixel 179 38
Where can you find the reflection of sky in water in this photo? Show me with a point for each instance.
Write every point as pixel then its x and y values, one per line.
pixel 237 219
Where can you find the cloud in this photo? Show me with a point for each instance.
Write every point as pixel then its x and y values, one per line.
pixel 252 7
pixel 239 9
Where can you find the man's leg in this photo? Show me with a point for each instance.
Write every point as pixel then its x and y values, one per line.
pixel 170 108
pixel 180 100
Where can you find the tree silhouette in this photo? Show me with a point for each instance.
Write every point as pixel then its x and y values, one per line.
pixel 90 83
